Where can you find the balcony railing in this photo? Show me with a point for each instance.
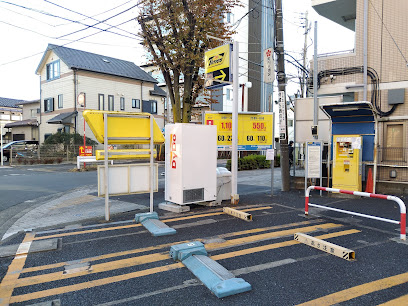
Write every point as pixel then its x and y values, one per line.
pixel 392 164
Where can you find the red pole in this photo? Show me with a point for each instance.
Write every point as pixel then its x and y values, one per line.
pixel 243 95
pixel 84 134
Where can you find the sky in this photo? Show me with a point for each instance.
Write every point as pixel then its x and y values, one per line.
pixel 27 27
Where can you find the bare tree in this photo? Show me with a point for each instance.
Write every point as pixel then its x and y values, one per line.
pixel 175 35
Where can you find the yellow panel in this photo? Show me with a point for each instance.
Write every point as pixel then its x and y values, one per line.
pixel 217 58
pixel 253 129
pixel 125 127
pixel 125 154
pixel 347 165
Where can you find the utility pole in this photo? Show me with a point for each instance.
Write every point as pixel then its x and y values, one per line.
pixel 303 83
pixel 281 76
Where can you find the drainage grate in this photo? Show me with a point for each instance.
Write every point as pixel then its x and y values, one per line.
pixel 193 195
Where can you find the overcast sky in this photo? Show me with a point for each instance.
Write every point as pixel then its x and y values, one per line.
pixel 27 27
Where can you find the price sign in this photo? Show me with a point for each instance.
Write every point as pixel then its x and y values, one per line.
pixel 255 131
pixel 85 151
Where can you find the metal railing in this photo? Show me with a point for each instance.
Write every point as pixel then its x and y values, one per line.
pixel 392 164
pixel 403 209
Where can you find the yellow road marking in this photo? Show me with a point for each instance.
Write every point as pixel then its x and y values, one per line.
pixel 137 225
pixel 247 239
pixel 123 277
pixel 403 300
pixel 278 245
pixel 13 273
pixel 353 292
pixel 162 246
pixel 149 258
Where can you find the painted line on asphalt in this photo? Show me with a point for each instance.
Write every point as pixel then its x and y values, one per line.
pixel 195 282
pixel 166 245
pixel 177 226
pixel 149 258
pixel 8 283
pixel 360 290
pixel 403 300
pixel 138 225
pixel 128 276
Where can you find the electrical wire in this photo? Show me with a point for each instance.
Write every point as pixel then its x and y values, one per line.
pixel 73 21
pixel 98 21
pixel 375 83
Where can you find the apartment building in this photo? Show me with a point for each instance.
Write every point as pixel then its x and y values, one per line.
pixel 103 83
pixel 381 48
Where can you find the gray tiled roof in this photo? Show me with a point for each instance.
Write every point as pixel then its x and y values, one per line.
pixel 28 122
pixel 158 91
pixel 77 59
pixel 6 102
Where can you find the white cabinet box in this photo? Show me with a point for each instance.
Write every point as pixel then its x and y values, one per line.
pixel 191 163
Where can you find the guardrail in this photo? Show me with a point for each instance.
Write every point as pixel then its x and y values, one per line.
pixel 403 209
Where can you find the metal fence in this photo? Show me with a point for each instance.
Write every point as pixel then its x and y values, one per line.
pixel 45 154
pixel 392 164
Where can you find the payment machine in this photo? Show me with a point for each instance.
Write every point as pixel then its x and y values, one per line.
pixel 347 162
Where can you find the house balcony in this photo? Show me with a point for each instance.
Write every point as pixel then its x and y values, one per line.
pixel 342 12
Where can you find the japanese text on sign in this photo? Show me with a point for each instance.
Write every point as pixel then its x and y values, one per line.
pixel 255 131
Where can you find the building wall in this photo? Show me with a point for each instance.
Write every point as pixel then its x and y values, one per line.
pixel 30 132
pixel 387 46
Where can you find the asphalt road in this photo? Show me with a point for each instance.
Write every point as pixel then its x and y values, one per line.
pixel 25 187
pixel 120 263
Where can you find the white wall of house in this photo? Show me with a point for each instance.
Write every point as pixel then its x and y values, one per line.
pixel 92 84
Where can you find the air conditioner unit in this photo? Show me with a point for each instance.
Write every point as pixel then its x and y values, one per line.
pixel 191 163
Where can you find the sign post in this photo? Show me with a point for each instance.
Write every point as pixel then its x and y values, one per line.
pixel 313 161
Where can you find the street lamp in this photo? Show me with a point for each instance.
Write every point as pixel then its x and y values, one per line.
pixel 247 85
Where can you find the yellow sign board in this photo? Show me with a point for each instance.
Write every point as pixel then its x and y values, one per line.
pixel 123 125
pixel 217 65
pixel 255 130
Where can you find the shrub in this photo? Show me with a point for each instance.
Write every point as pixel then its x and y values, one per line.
pixel 251 162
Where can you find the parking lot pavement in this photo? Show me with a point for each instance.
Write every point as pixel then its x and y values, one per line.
pixel 120 263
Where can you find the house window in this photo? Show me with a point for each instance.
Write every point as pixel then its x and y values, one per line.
pixel 47 135
pixel 60 102
pixel 111 104
pixel 229 91
pixel 48 105
pixel 394 142
pixel 150 106
pixel 53 70
pixel 122 103
pixel 33 112
pixel 229 17
pixel 101 102
pixel 136 103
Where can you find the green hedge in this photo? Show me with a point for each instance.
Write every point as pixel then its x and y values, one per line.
pixel 251 162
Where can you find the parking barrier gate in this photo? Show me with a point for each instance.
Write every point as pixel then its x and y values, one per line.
pixel 403 209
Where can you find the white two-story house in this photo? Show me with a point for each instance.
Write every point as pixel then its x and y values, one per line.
pixel 106 83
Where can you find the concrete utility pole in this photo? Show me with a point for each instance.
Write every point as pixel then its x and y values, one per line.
pixel 281 76
pixel 303 83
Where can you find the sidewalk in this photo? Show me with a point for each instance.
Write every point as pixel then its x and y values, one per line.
pixel 82 204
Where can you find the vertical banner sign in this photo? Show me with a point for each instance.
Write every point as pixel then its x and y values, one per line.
pixel 269 75
pixel 282 115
